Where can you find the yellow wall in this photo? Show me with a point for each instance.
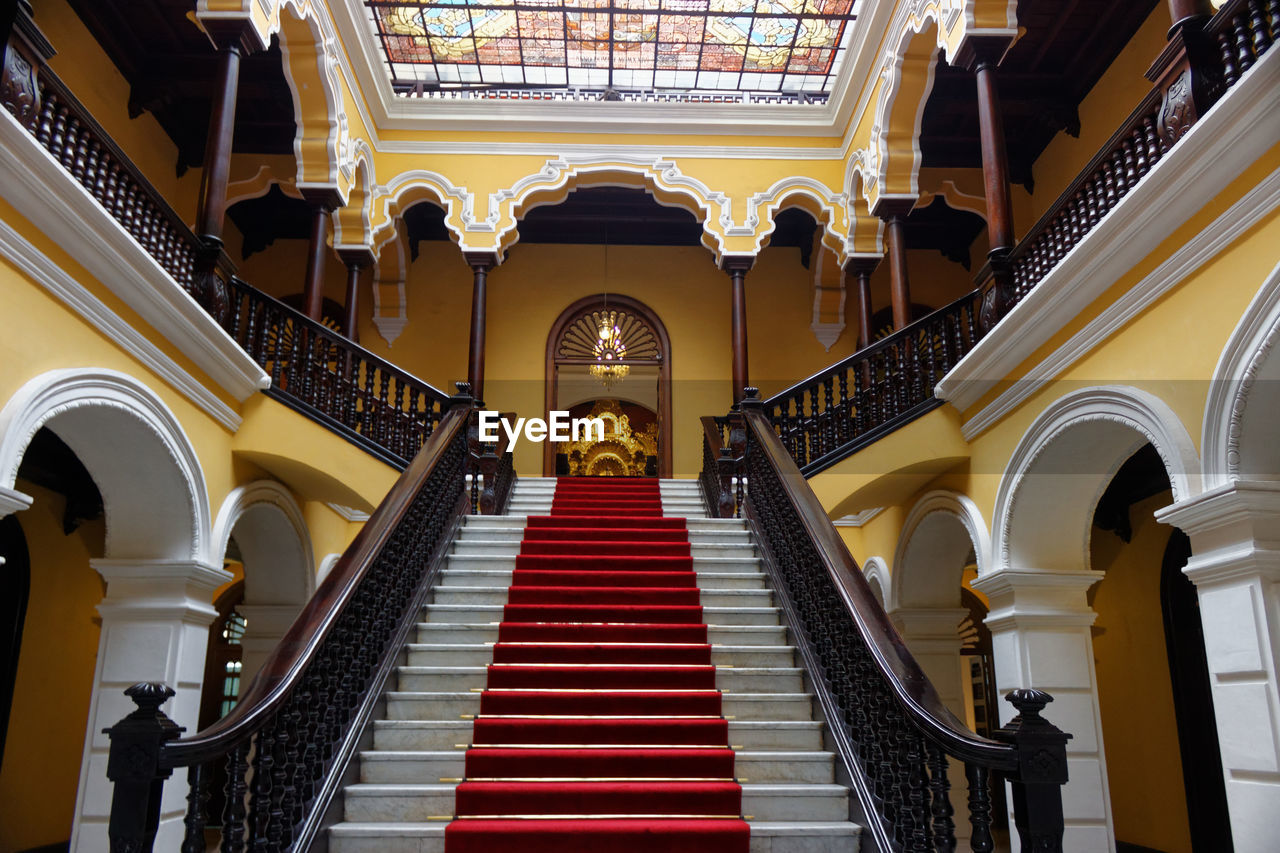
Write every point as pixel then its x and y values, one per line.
pixel 55 672
pixel 1144 765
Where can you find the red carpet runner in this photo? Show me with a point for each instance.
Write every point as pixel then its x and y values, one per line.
pixel 600 730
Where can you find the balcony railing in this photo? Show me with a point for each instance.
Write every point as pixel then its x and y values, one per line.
pixel 313 369
pixel 841 409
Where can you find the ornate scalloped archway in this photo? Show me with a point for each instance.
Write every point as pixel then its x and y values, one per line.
pixel 640 324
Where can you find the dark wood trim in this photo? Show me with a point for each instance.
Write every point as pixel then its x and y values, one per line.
pixel 217 151
pixel 481 263
pixel 551 376
pixel 862 269
pixel 16 574
pixel 313 284
pixel 356 260
pixel 737 267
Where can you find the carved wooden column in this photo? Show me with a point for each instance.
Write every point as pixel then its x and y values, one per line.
pixel 23 52
pixel 894 213
pixel 862 269
pixel 356 259
pixel 232 40
pixel 737 266
pixel 981 55
pixel 480 263
pixel 323 200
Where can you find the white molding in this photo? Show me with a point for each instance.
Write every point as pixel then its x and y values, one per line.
pixel 876 569
pixel 1248 347
pixel 1150 419
pixel 349 514
pixel 39 268
pixel 965 512
pixel 858 519
pixel 259 494
pixel 11 501
pixel 1230 137
pixel 135 509
pixel 663 152
pixel 41 190
pixel 827 333
pixel 1184 262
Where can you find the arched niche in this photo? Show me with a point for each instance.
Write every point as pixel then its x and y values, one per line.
pixel 569 346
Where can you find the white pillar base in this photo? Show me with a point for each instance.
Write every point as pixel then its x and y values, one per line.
pixel 1235 543
pixel 1039 623
pixel 155 627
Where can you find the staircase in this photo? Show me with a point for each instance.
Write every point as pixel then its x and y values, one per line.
pixel 409 778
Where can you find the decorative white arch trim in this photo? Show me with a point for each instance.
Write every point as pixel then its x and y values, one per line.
pixel 458 202
pixel 1249 346
pixel 947 502
pixel 877 570
pixel 259 185
pixel 326 566
pixel 338 143
pixel 264 493
pixel 62 391
pixel 1143 412
pixel 362 153
pixel 956 199
pixel 764 205
pixel 557 173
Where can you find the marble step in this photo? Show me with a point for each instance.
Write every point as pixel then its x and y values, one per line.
pixel 458 678
pixel 508 563
pixel 423 802
pixel 390 767
pixel 717 615
pixel 766 837
pixel 486 631
pixel 435 705
pixel 509 548
pixel 501 578
pixel 693 525
pixel 480 654
pixel 493 595
pixel 409 735
pixel 513 533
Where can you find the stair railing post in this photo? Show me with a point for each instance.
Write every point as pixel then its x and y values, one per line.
pixel 133 765
pixel 1042 771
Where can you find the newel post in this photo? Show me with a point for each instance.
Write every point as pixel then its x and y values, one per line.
pixel 133 765
pixel 1042 771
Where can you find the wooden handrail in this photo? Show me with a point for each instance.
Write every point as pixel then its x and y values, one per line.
pixel 897 665
pixel 889 727
pixel 299 721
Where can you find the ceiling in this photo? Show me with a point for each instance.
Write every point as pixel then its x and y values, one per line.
pixel 171 69
pixel 1066 47
pixel 791 46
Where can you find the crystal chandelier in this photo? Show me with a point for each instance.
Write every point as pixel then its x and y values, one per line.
pixel 609 351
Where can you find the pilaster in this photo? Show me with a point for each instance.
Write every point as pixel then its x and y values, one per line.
pixel 155 627
pixel 1040 638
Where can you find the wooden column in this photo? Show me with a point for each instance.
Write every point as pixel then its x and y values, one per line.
pixel 356 259
pixel 894 213
pixel 480 263
pixel 981 55
pixel 1183 12
pixel 737 266
pixel 861 268
pixel 323 200
pixel 232 40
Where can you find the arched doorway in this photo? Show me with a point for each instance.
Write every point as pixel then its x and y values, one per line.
pixel 625 371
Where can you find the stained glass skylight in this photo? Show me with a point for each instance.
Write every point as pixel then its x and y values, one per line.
pixel 623 46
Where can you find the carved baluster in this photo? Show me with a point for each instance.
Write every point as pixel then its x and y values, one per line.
pixel 1243 44
pixel 842 416
pixel 979 809
pixel 917 792
pixel 944 828
pixel 283 328
pixel 1258 25
pixel 281 789
pixel 70 138
pixel 197 796
pixel 95 179
pixel 1109 192
pixel 260 801
pixel 80 157
pixel 58 138
pixel 233 812
pixel 47 118
pixel 382 428
pixel 1154 149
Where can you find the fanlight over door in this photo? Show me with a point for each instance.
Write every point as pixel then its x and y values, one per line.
pixel 610 347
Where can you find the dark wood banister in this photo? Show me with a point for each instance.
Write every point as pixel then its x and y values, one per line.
pixel 864 353
pixel 286 662
pixel 912 687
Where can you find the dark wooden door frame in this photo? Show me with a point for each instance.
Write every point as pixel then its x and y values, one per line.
pixel 551 377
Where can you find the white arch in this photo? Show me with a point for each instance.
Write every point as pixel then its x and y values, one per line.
pixel 272 534
pixel 338 146
pixel 1236 388
pixel 877 574
pixel 1065 461
pixel 153 489
pixel 939 524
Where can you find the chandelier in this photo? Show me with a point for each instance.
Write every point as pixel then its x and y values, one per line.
pixel 609 351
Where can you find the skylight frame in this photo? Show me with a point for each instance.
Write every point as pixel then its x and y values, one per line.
pixel 789 80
